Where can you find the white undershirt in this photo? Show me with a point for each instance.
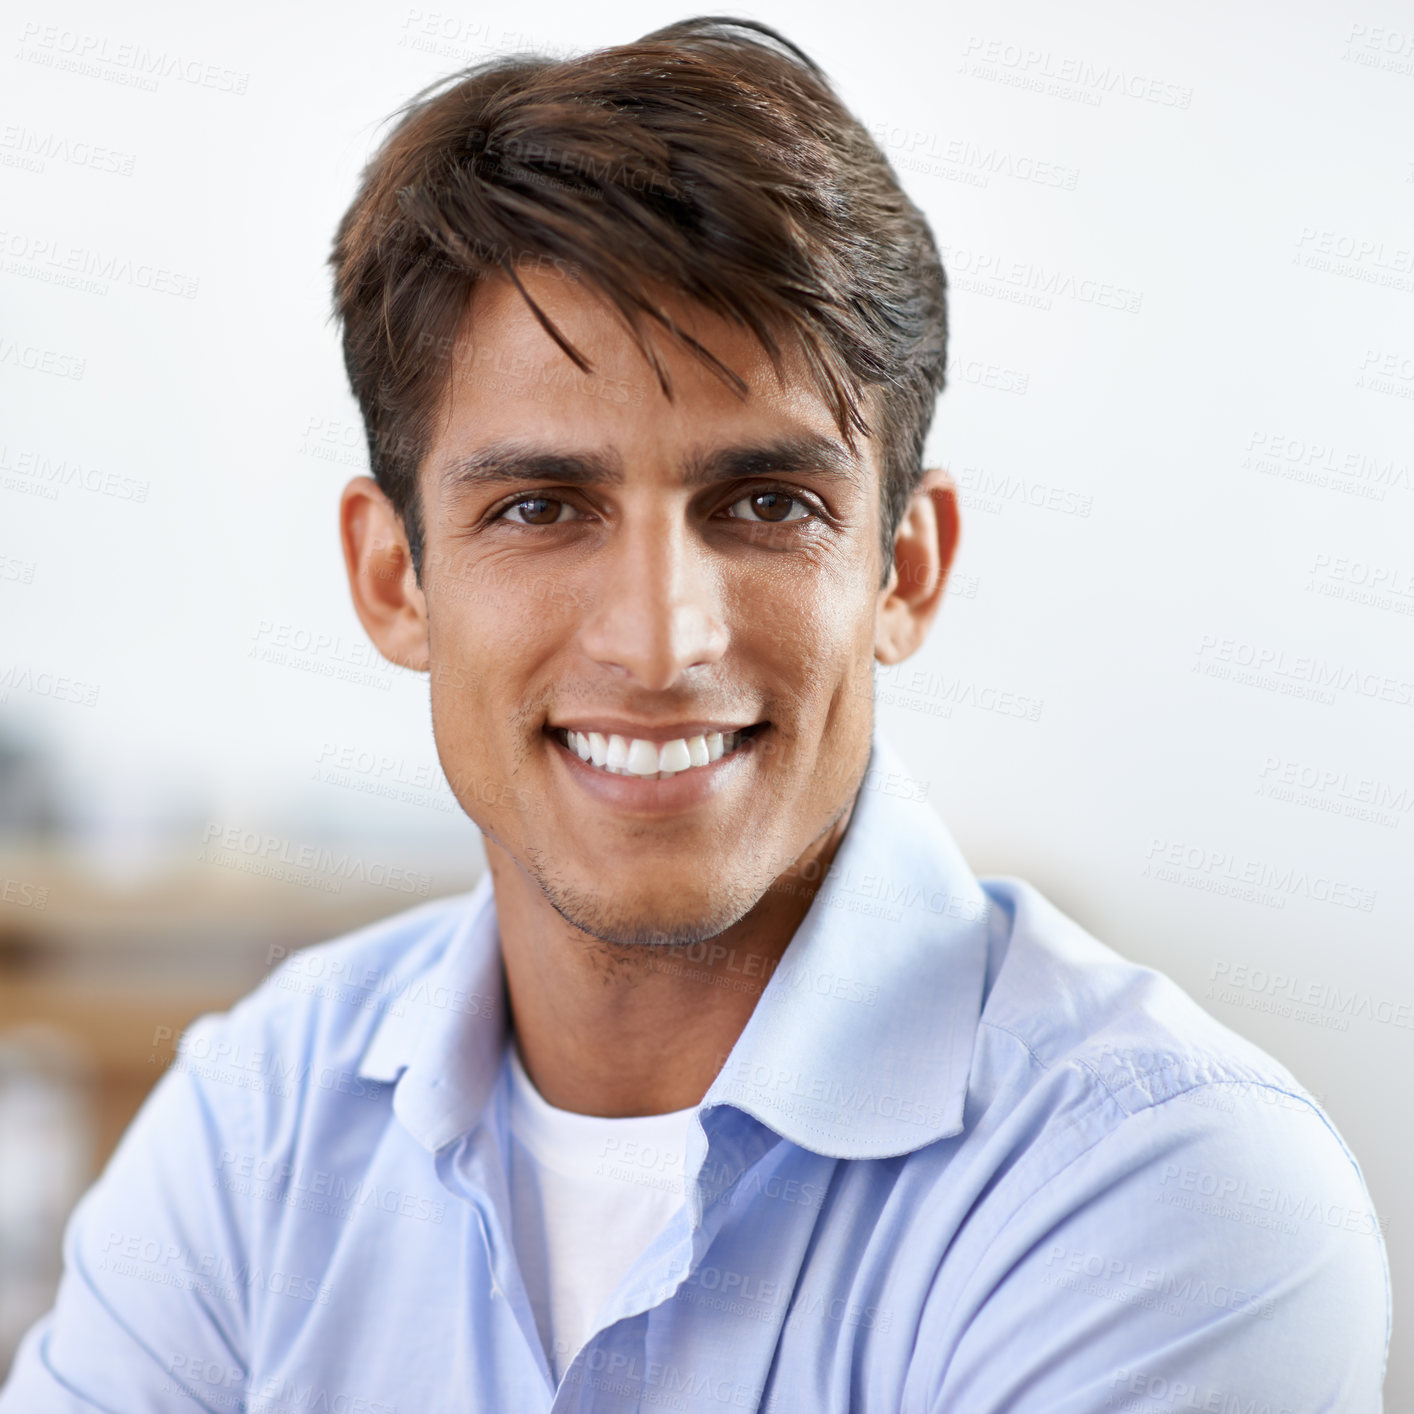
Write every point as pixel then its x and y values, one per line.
pixel 587 1197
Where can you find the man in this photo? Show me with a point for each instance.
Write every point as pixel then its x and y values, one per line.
pixel 730 1087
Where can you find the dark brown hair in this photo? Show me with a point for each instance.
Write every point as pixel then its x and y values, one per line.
pixel 711 157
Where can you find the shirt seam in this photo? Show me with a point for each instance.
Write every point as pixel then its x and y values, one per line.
pixel 1241 1075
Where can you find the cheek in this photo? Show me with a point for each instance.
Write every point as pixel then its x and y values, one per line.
pixel 462 747
pixel 819 659
pixel 831 639
pixel 489 625
pixel 813 614
pixel 493 637
pixel 459 676
pixel 470 672
pixel 842 678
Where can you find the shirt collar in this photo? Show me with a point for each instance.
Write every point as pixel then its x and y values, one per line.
pixel 442 1038
pixel 860 1045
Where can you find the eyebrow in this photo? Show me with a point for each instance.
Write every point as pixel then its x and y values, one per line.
pixel 505 463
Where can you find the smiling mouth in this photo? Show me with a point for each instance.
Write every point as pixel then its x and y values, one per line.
pixel 651 760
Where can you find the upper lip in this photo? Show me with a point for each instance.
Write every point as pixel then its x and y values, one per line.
pixel 648 731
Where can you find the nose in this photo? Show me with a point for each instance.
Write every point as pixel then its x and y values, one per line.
pixel 656 612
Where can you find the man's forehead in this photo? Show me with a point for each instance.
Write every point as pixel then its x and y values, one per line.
pixel 517 400
pixel 500 307
pixel 502 332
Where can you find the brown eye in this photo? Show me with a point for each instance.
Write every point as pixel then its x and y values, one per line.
pixel 538 510
pixel 769 507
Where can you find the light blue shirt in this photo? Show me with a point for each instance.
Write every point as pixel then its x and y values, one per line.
pixel 962 1158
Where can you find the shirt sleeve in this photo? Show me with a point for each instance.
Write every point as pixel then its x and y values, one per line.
pixel 1217 1251
pixel 151 1310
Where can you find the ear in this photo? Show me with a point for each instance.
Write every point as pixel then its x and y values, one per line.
pixel 923 552
pixel 385 592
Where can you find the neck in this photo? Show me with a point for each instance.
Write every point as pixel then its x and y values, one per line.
pixel 622 1030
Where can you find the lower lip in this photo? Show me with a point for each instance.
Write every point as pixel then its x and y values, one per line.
pixel 661 795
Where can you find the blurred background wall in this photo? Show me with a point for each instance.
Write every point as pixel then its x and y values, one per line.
pixel 1173 683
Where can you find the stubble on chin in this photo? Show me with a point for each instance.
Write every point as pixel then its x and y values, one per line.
pixel 625 931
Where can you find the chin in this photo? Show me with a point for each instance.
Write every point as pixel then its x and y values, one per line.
pixel 672 917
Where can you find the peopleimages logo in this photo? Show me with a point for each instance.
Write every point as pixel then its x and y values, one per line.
pixel 21 146
pixel 211 1274
pixel 1031 282
pixel 1362 790
pixel 916 150
pixel 1170 860
pixel 1238 983
pixel 254 852
pixel 134 65
pixel 1312 460
pixel 1242 1197
pixel 45 475
pixel 1167 1393
pixel 19 677
pixel 285 1178
pixel 1261 665
pixel 36 359
pixel 59 263
pixel 1065 75
pixel 1119 1277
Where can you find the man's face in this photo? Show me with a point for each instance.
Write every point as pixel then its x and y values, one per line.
pixel 697 578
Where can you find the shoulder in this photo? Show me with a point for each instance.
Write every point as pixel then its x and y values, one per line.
pixel 1070 1003
pixel 1142 1166
pixel 1094 1064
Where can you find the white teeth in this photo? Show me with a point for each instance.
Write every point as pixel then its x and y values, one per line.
pixel 674 756
pixel 642 758
pixel 636 756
